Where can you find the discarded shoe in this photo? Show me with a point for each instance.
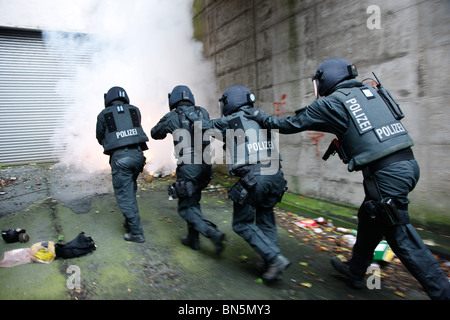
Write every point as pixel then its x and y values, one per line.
pixel 344 268
pixel 276 267
pixel 134 237
pixel 14 235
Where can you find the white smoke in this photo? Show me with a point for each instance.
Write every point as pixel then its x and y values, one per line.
pixel 144 46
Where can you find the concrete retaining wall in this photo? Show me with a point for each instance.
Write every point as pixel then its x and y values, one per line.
pixel 274 47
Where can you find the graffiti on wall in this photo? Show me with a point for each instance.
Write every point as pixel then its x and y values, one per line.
pixel 316 136
pixel 279 108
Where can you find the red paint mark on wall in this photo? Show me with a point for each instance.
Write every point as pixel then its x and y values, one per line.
pixel 315 136
pixel 278 107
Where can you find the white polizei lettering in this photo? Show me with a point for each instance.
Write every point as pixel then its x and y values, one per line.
pixel 126 133
pixel 390 130
pixel 359 115
pixel 258 146
pixel 379 132
pixel 363 122
pixel 399 127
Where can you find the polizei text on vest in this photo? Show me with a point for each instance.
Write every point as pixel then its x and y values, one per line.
pixel 126 133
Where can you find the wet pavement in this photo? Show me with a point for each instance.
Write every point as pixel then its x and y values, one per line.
pixel 55 203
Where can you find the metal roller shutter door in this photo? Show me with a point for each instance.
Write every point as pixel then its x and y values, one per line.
pixel 31 109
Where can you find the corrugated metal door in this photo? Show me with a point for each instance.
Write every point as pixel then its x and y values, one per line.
pixel 31 107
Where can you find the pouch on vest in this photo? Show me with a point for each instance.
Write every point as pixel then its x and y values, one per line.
pixel 247 176
pixel 389 100
pixel 283 190
pixel 238 193
pixel 381 212
pixel 184 189
pixel 79 246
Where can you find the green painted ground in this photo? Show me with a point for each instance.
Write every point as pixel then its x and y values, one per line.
pixel 162 268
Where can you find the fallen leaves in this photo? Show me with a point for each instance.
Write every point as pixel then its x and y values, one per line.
pixel 166 219
pixel 243 258
pixel 400 294
pixel 339 242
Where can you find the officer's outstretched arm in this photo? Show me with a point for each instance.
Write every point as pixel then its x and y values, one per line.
pixel 159 131
pixel 220 123
pixel 285 125
pixel 255 114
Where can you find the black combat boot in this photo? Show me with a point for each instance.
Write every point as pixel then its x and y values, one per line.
pixel 216 237
pixel 134 237
pixel 263 266
pixel 343 267
pixel 275 268
pixel 191 240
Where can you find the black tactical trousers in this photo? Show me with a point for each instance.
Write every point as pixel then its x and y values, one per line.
pixel 396 181
pixel 257 227
pixel 126 164
pixel 254 220
pixel 189 207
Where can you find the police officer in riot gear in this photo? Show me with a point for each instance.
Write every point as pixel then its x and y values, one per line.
pixel 252 155
pixel 370 138
pixel 193 172
pixel 120 133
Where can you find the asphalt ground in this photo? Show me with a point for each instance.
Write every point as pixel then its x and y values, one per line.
pixel 56 204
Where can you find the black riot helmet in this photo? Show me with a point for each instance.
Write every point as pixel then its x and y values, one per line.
pixel 116 93
pixel 180 93
pixel 235 97
pixel 330 73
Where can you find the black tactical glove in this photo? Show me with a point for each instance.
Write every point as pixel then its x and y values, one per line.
pixel 192 116
pixel 255 114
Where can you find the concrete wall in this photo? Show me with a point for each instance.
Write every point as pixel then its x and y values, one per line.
pixel 274 47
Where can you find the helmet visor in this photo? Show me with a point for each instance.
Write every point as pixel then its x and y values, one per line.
pixel 222 105
pixel 316 88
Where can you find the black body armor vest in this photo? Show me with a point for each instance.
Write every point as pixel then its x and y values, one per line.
pixel 247 143
pixel 123 127
pixel 374 131
pixel 190 148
